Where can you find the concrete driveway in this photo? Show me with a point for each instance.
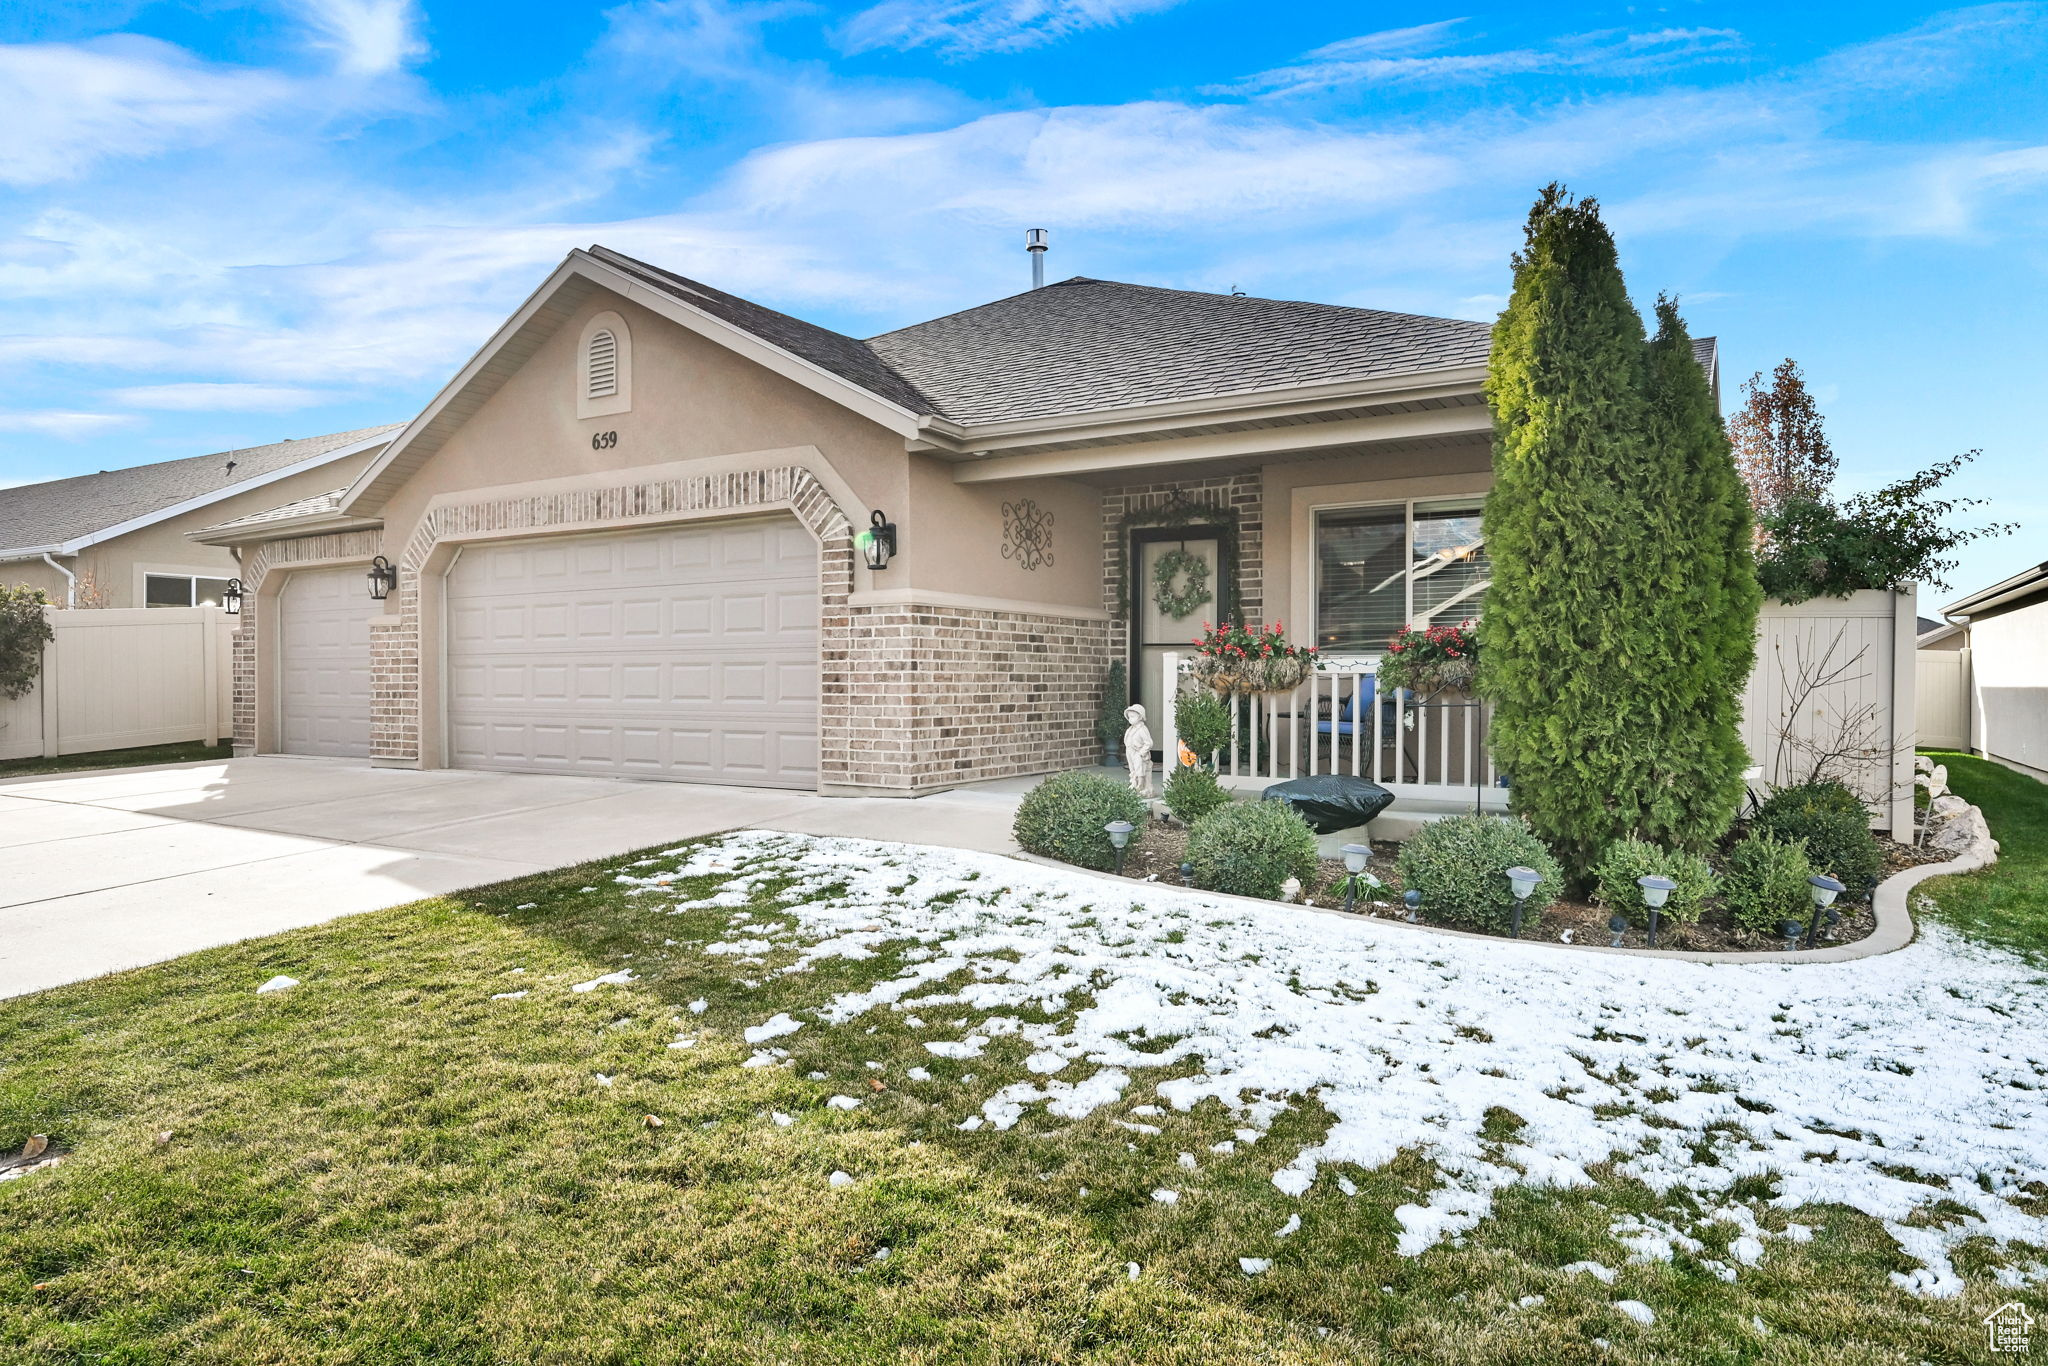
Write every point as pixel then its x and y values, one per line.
pixel 115 869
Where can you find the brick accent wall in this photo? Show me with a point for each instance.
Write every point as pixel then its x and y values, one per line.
pixel 1243 492
pixel 935 696
pixel 334 547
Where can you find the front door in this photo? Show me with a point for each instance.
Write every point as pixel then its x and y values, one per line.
pixel 1178 581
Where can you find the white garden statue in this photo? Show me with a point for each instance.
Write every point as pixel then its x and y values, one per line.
pixel 1138 750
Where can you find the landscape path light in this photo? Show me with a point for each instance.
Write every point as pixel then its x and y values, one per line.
pixel 1356 856
pixel 1119 835
pixel 1187 875
pixel 1825 890
pixel 1792 930
pixel 1656 891
pixel 1617 925
pixel 1412 899
pixel 1522 882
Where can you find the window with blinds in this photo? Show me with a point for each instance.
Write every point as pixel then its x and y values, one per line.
pixel 601 373
pixel 1388 565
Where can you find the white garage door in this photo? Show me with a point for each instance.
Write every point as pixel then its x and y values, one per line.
pixel 324 663
pixel 687 653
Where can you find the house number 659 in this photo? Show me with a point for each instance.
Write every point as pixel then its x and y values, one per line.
pixel 603 441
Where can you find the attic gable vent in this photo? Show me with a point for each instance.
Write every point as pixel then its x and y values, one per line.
pixel 602 373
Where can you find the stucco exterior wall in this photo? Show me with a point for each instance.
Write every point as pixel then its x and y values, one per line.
pixel 119 565
pixel 2009 687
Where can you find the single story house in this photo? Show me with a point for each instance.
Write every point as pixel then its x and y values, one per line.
pixel 119 538
pixel 653 528
pixel 2004 629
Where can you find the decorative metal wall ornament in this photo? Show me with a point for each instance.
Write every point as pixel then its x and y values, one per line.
pixel 1187 570
pixel 1027 534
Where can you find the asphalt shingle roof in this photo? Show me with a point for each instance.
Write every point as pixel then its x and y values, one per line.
pixel 329 501
pixel 65 509
pixel 1083 345
pixel 844 356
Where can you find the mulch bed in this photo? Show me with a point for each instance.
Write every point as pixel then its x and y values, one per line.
pixel 1160 847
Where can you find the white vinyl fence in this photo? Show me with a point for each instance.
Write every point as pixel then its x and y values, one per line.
pixel 1833 692
pixel 1943 698
pixel 122 678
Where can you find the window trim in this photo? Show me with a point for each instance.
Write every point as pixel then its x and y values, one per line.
pixel 191 586
pixel 1315 561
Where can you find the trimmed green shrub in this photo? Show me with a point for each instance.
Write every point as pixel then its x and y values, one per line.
pixel 1202 722
pixel 1063 817
pixel 1619 628
pixel 24 631
pixel 1614 881
pixel 1251 848
pixel 1837 842
pixel 1193 792
pixel 1765 884
pixel 1822 794
pixel 1460 865
pixel 1109 720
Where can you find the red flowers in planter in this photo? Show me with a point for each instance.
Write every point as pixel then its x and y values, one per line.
pixel 1241 659
pixel 1431 660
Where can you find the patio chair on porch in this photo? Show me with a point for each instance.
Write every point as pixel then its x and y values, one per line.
pixel 1345 723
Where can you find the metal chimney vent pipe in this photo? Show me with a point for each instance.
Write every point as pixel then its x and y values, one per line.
pixel 1036 243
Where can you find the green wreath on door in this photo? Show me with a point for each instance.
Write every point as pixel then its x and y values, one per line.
pixel 1190 572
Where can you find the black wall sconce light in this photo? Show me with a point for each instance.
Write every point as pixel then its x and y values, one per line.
pixel 383 578
pixel 231 598
pixel 878 542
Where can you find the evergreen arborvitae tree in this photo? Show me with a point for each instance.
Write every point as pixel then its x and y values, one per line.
pixel 1702 600
pixel 1614 638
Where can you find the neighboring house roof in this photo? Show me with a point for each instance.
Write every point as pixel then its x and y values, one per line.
pixel 2010 592
pixel 63 516
pixel 1931 636
pixel 314 506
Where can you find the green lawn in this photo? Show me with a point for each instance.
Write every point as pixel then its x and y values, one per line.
pixel 2007 903
pixel 386 1165
pixel 188 753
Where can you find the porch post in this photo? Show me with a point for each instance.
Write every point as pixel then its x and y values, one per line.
pixel 1169 740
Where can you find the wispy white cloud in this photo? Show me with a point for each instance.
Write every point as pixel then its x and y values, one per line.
pixel 366 37
pixel 971 28
pixel 1406 56
pixel 220 397
pixel 69 106
pixel 64 425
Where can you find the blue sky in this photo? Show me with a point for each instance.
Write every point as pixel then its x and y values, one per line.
pixel 226 223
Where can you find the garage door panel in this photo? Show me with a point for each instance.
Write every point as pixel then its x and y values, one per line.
pixel 323 618
pixel 690 653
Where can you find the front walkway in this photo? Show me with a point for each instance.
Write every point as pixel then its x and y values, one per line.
pixel 116 869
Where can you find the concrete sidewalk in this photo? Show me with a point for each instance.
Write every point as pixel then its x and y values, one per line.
pixel 118 868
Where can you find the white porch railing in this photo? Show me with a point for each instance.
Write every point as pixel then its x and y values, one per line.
pixel 1337 722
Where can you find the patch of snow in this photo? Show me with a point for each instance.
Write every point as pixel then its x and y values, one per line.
pixel 969 1047
pixel 698 1006
pixel 782 1121
pixel 619 978
pixel 1131 1271
pixel 1347 1185
pixel 1747 1250
pixel 683 1043
pixel 1888 1085
pixel 1600 1273
pixel 1528 1301
pixel 843 1103
pixel 774 1028
pixel 1166 1197
pixel 1292 1226
pixel 277 983
pixel 508 996
pixel 917 1074
pixel 1637 1310
pixel 601 1079
pixel 838 1179
pixel 1254 1266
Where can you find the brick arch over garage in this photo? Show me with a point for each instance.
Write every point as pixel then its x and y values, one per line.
pixel 398 642
pixel 262 574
